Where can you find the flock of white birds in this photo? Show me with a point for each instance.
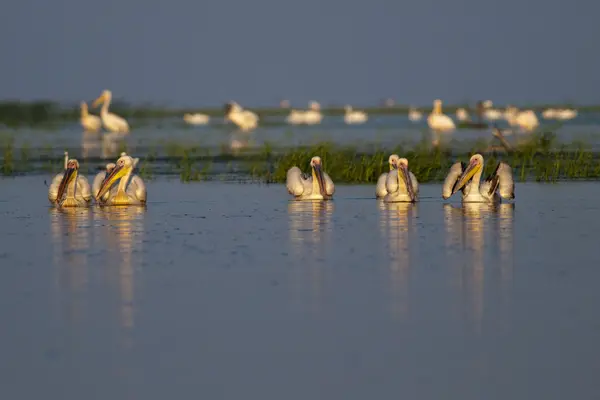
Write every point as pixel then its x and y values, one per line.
pixel 247 120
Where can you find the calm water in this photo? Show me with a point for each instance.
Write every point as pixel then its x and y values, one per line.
pixel 225 291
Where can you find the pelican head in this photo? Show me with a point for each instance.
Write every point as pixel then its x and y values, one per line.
pixel 123 167
pixel 69 176
pixel 393 161
pixel 104 97
pixel 437 106
pixel 475 165
pixel 404 174
pixel 317 172
pixel 314 106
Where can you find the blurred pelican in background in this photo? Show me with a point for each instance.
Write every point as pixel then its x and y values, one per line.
pixel 313 115
pixel 100 177
pixel 526 120
pixel 196 119
pixel 414 115
pixel 354 117
pixel 112 122
pixel 295 117
pixel 499 184
pixel 131 189
pixel 317 186
pixel 560 114
pixel 401 184
pixel 490 113
pixel 245 120
pixel 90 122
pixel 439 121
pixel 381 189
pixel 462 115
pixel 69 189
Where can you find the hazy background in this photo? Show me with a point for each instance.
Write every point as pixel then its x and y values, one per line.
pixel 201 53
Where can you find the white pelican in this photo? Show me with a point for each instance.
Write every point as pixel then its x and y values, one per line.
pixel 499 184
pixel 354 117
pixel 112 122
pixel 414 115
pixel 438 121
pixel 401 184
pixel 560 114
pixel 526 120
pixel 549 113
pixel 295 117
pixel 90 122
pixel 196 119
pixel 318 186
pixel 313 115
pixel 69 189
pixel 380 189
pixel 490 113
pixel 245 120
pixel 131 189
pixel 97 183
pixel 462 115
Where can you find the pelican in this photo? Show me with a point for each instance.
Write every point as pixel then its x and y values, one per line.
pixel 354 117
pixel 414 115
pixel 246 120
pixel 438 121
pixel 69 189
pixel 526 120
pixel 97 183
pixel 462 115
pixel 112 122
pixel 90 122
pixel 131 189
pixel 380 189
pixel 401 184
pixel 319 186
pixel 295 117
pixel 196 119
pixel 313 115
pixel 490 113
pixel 565 114
pixel 499 184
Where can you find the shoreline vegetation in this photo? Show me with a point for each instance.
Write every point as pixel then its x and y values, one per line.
pixel 19 113
pixel 539 159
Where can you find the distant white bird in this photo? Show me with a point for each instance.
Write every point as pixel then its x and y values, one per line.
pixel 414 115
pixel 437 120
pixel 560 114
pixel 401 184
pixel 90 122
pixel 526 120
pixel 246 120
pixel 295 117
pixel 313 115
pixel 490 113
pixel 467 178
pixel 354 117
pixel 111 121
pixel 462 115
pixel 380 188
pixel 196 119
pixel 317 186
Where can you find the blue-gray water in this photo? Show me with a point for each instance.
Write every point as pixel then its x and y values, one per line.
pixel 229 291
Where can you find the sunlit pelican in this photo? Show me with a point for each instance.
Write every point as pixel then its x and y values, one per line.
pixel 462 115
pixel 414 115
pixel 69 189
pixel 97 183
pixel 354 117
pixel 319 186
pixel 131 189
pixel 295 117
pixel 112 122
pixel 490 113
pixel 401 184
pixel 90 122
pixel 526 120
pixel 560 114
pixel 313 115
pixel 438 121
pixel 381 189
pixel 245 120
pixel 499 184
pixel 196 119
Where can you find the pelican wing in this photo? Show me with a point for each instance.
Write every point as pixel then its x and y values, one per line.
pixel 415 183
pixel 501 179
pixel 380 189
pixel 83 188
pixel 329 186
pixel 53 189
pixel 137 189
pixel 295 182
pixel 391 182
pixel 455 172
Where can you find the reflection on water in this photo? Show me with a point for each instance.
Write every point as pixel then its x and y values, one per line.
pixel 104 145
pixel 71 231
pixel 466 228
pixel 397 225
pixel 310 230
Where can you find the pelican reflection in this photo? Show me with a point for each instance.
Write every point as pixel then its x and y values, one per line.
pixel 467 227
pixel 71 238
pixel 397 224
pixel 123 237
pixel 310 230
